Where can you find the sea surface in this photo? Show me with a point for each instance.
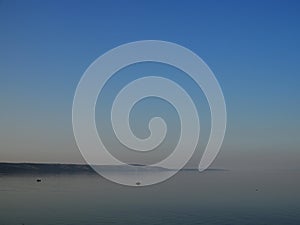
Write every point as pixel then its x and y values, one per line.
pixel 190 197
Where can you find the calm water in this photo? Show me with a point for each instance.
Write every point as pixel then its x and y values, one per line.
pixel 213 197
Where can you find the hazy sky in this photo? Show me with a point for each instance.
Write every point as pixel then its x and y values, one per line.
pixel 253 48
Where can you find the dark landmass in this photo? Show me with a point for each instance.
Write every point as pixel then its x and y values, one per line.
pixel 50 168
pixel 43 168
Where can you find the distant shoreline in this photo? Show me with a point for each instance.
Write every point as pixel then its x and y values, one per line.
pixel 43 168
pixel 7 168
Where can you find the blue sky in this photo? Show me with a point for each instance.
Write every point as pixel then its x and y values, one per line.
pixel 252 47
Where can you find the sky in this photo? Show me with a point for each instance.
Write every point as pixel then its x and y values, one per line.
pixel 252 47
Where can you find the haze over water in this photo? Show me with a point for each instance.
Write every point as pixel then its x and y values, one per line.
pixel 253 49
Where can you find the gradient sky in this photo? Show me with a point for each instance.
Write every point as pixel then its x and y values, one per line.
pixel 252 47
